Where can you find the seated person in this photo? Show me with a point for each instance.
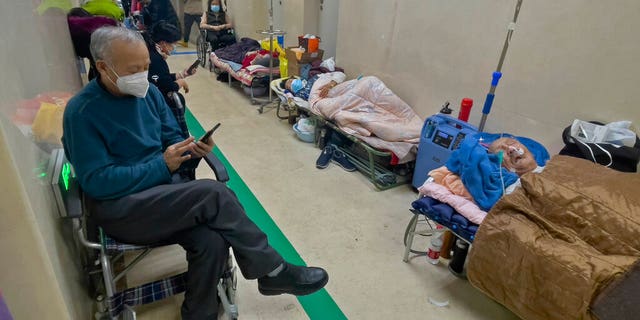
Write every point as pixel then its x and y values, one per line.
pixel 218 25
pixel 81 25
pixel 366 108
pixel 125 147
pixel 161 41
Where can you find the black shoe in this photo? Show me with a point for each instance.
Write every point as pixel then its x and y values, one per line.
pixel 341 159
pixel 296 280
pixel 325 157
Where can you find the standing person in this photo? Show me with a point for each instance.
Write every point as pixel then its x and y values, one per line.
pixel 192 13
pixel 218 25
pixel 125 148
pixel 158 10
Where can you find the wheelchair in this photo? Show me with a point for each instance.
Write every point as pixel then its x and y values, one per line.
pixel 204 50
pixel 99 253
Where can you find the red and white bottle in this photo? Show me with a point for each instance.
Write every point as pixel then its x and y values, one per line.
pixel 433 253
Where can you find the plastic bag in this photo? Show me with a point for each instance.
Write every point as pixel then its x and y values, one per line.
pixel 329 64
pixel 617 133
pixel 47 126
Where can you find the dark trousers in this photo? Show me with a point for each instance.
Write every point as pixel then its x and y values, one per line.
pixel 189 19
pixel 220 39
pixel 205 218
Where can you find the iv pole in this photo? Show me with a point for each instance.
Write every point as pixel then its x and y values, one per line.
pixel 488 102
pixel 271 32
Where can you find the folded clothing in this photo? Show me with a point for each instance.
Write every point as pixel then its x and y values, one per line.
pixel 465 207
pixel 451 181
pixel 445 215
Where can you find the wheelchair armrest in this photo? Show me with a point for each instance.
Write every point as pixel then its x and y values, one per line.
pixel 73 202
pixel 218 168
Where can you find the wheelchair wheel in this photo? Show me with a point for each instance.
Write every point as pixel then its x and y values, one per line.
pixel 203 47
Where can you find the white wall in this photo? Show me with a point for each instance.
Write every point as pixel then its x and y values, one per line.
pixel 568 59
pixel 40 277
pixel 248 16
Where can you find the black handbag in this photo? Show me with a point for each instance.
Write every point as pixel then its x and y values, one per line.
pixel 622 158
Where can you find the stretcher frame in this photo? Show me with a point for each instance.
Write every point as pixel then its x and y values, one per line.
pixel 374 172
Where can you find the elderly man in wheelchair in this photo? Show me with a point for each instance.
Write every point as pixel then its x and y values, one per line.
pixel 129 156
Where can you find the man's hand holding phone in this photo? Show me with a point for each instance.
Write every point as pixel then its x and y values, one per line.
pixel 205 144
pixel 175 155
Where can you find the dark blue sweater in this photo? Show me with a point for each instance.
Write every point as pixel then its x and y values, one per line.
pixel 116 144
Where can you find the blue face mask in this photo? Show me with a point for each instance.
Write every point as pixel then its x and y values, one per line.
pixel 215 8
pixel 297 85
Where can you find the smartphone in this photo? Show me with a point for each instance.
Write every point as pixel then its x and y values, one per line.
pixel 193 66
pixel 209 133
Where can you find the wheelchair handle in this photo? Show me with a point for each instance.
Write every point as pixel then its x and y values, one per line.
pixel 176 99
pixel 83 240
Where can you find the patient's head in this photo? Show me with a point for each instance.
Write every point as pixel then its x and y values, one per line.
pixel 517 157
pixel 293 85
pixel 287 84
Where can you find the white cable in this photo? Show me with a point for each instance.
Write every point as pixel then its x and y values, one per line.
pixel 504 191
pixel 594 157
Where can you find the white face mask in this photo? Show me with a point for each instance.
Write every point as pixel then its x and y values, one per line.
pixel 135 84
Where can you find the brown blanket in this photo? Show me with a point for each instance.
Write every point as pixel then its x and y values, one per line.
pixel 546 250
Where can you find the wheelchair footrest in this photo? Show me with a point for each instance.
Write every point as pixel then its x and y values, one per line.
pixel 147 293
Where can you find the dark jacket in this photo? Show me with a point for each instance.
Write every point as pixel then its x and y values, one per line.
pixel 237 51
pixel 160 10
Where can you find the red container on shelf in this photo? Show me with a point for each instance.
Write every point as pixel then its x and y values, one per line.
pixel 465 109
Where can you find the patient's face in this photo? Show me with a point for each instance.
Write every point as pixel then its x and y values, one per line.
pixel 516 156
pixel 287 84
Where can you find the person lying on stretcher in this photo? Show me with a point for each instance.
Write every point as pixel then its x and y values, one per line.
pixel 471 181
pixel 363 107
pixel 516 157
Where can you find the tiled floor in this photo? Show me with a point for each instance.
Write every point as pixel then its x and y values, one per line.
pixel 333 218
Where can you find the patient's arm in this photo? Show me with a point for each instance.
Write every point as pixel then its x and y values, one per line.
pixel 323 81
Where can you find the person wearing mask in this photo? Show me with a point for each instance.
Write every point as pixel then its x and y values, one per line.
pixel 218 25
pixel 192 13
pixel 161 42
pixel 125 148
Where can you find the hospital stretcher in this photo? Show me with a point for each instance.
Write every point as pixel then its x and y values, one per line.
pixel 370 161
pixel 250 77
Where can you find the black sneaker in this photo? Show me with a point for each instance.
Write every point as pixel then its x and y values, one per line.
pixel 296 280
pixel 341 159
pixel 325 157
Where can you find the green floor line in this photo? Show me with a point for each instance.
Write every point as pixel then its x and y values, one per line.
pixel 318 306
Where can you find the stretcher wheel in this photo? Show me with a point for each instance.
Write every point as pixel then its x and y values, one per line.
pixel 292 119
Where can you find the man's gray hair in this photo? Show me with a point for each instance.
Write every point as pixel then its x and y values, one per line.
pixel 102 39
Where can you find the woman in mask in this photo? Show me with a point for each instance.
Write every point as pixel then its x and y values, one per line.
pixel 218 25
pixel 161 42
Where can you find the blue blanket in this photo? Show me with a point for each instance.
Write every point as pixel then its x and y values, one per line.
pixel 480 172
pixel 538 150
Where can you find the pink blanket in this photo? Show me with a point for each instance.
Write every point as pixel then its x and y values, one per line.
pixel 369 110
pixel 463 206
